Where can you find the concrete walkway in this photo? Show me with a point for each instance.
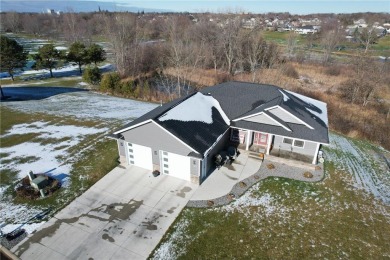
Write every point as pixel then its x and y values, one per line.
pixel 123 216
pixel 221 188
pixel 221 181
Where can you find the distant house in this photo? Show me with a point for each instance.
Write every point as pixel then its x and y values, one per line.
pixel 378 31
pixel 181 138
pixel 307 29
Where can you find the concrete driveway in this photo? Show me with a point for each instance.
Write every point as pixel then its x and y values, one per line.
pixel 123 216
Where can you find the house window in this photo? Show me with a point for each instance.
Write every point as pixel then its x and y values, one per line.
pixel 165 153
pixel 299 143
pixel 121 144
pixel 155 152
pixel 166 165
pixel 131 156
pixel 130 150
pixel 165 159
pixel 166 171
pixel 287 140
pixel 194 162
pixel 131 162
pixel 129 144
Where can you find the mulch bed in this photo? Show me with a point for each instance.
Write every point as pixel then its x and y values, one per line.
pixel 25 190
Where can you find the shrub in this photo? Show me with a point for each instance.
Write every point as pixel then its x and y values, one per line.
pixel 110 82
pixel 128 88
pixel 92 75
pixel 333 70
pixel 289 71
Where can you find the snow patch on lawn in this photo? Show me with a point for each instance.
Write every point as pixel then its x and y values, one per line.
pixel 86 104
pixel 248 200
pixel 49 157
pixel 168 249
pixel 10 211
pixel 362 165
pixel 196 108
pixel 266 201
pixel 29 228
pixel 61 48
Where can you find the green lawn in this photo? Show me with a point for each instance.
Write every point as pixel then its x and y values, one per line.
pixel 278 37
pixel 286 219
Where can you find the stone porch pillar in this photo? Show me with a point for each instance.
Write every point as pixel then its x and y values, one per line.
pixel 248 139
pixel 270 136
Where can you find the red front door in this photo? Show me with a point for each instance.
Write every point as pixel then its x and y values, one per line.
pixel 260 139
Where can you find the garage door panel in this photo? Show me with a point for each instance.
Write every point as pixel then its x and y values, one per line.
pixel 140 156
pixel 175 165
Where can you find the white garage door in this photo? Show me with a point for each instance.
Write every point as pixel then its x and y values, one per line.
pixel 175 165
pixel 140 156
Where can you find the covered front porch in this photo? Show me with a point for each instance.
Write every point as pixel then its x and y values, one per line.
pixel 252 141
pixel 261 144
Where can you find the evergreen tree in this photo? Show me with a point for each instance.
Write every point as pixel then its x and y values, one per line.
pixel 78 54
pixel 12 56
pixel 95 54
pixel 48 57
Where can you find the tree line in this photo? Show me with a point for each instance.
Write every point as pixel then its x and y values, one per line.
pixel 14 57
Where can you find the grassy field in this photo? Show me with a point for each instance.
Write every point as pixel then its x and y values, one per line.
pixel 286 219
pixel 91 159
pixel 380 48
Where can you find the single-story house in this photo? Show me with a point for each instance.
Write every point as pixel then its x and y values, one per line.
pixel 307 29
pixel 181 138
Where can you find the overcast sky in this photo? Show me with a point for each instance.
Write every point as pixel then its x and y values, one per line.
pixel 254 6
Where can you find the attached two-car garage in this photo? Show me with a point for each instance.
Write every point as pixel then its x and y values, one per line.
pixel 170 163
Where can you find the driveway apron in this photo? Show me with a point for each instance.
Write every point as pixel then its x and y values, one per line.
pixel 123 216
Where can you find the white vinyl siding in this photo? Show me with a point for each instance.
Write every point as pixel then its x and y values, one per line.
pixel 299 143
pixel 284 116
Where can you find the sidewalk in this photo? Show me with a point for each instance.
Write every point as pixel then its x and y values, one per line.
pixel 226 184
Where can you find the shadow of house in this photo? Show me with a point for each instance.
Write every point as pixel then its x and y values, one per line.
pixel 35 93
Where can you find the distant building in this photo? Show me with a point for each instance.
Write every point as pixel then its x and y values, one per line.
pixel 307 29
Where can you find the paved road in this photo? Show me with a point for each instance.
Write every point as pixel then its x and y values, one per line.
pixel 123 216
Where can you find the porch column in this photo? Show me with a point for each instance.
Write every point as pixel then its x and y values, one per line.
pixel 316 154
pixel 270 136
pixel 248 139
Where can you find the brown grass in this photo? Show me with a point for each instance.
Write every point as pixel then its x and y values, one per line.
pixel 353 120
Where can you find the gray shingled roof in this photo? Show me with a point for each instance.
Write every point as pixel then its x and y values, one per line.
pixel 239 99
pixel 198 135
pixel 158 111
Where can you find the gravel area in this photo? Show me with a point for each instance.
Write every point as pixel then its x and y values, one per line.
pixel 268 169
pixel 10 243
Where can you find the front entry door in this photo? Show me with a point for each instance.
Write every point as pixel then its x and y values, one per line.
pixel 260 139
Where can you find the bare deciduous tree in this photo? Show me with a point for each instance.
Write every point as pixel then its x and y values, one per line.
pixel 121 30
pixel 331 35
pixel 229 39
pixel 292 41
pixel 12 22
pixel 369 76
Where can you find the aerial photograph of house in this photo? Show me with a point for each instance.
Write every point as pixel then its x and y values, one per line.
pixel 181 138
pixel 194 129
